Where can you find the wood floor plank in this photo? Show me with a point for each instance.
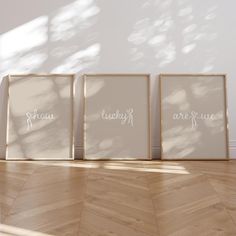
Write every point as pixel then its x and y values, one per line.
pixel 13 177
pixel 118 198
pixel 226 189
pixel 51 201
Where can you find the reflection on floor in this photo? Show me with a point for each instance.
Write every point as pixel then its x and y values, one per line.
pixel 117 198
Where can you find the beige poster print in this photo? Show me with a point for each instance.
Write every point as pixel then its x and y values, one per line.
pixel 40 114
pixel 116 118
pixel 193 120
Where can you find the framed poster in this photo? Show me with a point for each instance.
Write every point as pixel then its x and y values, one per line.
pixel 194 122
pixel 116 116
pixel 40 117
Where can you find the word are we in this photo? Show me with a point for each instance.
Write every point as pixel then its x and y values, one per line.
pixel 126 117
pixel 194 116
pixel 35 115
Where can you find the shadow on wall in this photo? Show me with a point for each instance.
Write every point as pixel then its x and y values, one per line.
pixel 52 42
pixel 174 36
pixel 60 41
pixel 80 36
pixel 175 32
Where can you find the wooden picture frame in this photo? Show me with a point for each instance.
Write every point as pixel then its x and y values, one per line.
pixel 108 96
pixel 40 117
pixel 194 119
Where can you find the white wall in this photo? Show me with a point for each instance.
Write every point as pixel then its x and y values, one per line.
pixel 128 36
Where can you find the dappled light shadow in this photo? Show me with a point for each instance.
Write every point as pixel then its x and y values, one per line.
pixel 48 43
pixel 133 166
pixel 193 127
pixel 9 230
pixel 43 138
pixel 72 18
pixel 155 169
pixel 93 87
pixel 181 139
pixel 83 36
pixel 175 33
pixel 180 36
pixel 27 53
pixel 107 137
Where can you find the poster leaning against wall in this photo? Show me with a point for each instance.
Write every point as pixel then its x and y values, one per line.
pixel 116 116
pixel 194 124
pixel 40 117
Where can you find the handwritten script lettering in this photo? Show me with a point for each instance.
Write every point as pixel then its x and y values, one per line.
pixel 194 116
pixel 35 115
pixel 126 117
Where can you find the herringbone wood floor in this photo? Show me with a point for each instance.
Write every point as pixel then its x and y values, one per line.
pixel 118 198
